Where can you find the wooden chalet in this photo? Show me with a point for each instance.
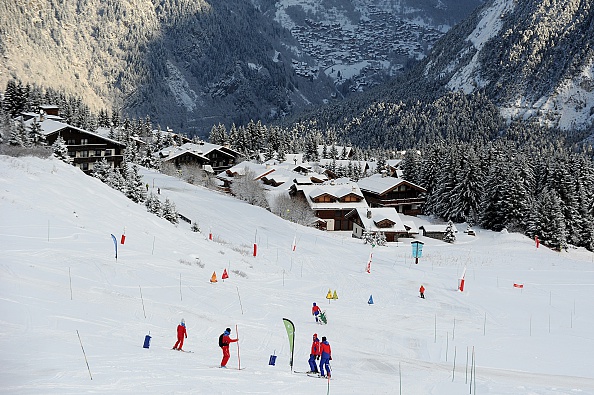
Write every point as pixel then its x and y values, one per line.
pixel 84 147
pixel 331 202
pixel 202 154
pixel 384 191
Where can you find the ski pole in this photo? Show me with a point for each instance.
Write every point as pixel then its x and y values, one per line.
pixel 238 359
pixel 85 355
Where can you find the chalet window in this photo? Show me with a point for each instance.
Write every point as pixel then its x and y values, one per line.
pixel 84 166
pixel 107 152
pixel 71 142
pixel 351 198
pixel 98 152
pixel 324 199
pixel 84 154
pixel 72 154
pixel 84 141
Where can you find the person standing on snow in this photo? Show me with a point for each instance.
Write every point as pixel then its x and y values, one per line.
pixel 315 354
pixel 315 311
pixel 326 357
pixel 224 341
pixel 422 291
pixel 181 334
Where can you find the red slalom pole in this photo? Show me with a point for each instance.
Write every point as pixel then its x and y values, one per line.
pixel 238 359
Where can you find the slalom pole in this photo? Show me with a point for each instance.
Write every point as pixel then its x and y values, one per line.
pixel 70 277
pixel 142 299
pixel 240 305
pixel 238 359
pixel 83 350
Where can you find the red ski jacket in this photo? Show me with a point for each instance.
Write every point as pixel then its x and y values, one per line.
pixel 325 348
pixel 315 310
pixel 227 340
pixel 315 347
pixel 181 331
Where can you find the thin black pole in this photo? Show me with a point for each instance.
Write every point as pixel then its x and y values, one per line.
pixel 85 355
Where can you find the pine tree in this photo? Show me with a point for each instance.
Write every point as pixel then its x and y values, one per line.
pixel 101 170
pixel 170 212
pixel 136 189
pixel 60 150
pixel 36 135
pixel 552 231
pixel 153 205
pixel 449 236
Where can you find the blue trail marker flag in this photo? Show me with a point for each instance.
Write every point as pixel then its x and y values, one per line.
pixel 115 245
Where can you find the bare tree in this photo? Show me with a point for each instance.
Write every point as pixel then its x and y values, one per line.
pixel 294 210
pixel 246 188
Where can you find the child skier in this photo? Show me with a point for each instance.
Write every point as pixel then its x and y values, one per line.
pixel 315 354
pixel 224 341
pixel 181 334
pixel 315 311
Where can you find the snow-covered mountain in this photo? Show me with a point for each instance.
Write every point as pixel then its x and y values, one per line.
pixel 192 64
pixel 533 58
pixel 74 319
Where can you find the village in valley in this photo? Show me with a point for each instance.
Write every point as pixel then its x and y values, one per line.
pixel 379 44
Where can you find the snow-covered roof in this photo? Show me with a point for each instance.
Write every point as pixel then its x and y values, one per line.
pixel 258 169
pixel 200 149
pixel 381 185
pixel 337 190
pixel 379 214
pixel 49 126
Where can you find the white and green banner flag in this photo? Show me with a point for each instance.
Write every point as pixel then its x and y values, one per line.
pixel 290 327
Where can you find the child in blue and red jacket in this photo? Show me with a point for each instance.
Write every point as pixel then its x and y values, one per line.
pixel 315 311
pixel 315 354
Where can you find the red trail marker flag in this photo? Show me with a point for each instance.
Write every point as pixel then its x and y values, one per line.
pixel 518 285
pixel 294 245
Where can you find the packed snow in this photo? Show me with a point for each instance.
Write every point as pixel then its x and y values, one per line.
pixel 74 319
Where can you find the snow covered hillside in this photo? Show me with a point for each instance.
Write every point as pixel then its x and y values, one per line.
pixel 59 279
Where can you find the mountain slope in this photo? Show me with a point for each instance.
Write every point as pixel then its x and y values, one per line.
pixel 532 58
pixel 59 280
pixel 192 64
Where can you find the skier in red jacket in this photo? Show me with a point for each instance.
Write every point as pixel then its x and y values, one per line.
pixel 326 357
pixel 181 334
pixel 224 341
pixel 422 292
pixel 315 354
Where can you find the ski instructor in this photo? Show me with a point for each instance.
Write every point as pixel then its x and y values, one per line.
pixel 224 341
